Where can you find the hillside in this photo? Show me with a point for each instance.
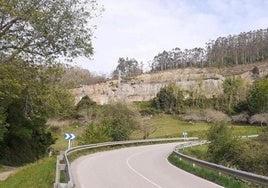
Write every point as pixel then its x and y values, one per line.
pixel 206 81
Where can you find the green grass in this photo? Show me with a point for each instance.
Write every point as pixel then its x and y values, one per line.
pixel 171 126
pixel 61 144
pixel 196 151
pixel 1 168
pixel 40 174
pixel 226 181
pixel 242 130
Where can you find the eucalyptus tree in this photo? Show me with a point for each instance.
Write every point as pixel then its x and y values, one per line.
pixel 244 48
pixel 128 67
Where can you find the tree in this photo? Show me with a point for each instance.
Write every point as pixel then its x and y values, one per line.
pixel 86 106
pixel 261 119
pixel 121 120
pixel 113 122
pixel 32 35
pixel 128 67
pixel 258 98
pixel 29 94
pixel 45 29
pixel 170 99
pixel 224 148
pixel 3 124
pixel 74 77
pixel 235 93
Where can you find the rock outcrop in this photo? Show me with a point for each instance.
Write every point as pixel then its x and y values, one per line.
pixel 205 81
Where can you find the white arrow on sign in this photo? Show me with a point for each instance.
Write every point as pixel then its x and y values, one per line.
pixel 67 136
pixel 72 136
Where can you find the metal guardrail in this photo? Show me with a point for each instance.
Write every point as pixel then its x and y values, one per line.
pixel 222 169
pixel 63 164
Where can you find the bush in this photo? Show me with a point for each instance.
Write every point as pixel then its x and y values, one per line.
pixel 170 99
pixel 240 118
pixel 146 108
pixel 260 119
pixel 208 115
pixel 95 134
pixel 113 122
pixel 258 98
pixel 224 148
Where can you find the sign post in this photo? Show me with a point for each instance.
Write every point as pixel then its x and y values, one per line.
pixel 184 134
pixel 69 137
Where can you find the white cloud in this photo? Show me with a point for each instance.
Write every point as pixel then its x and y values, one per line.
pixel 141 29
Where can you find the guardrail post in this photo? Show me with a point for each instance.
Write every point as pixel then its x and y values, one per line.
pixel 57 178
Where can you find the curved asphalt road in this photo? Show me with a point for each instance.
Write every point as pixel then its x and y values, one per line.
pixel 134 167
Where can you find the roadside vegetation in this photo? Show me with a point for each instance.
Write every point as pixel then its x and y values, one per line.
pixel 225 181
pixel 40 174
pixel 226 149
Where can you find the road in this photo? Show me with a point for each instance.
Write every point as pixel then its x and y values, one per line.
pixel 134 167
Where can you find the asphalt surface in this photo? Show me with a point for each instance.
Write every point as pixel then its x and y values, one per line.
pixel 134 167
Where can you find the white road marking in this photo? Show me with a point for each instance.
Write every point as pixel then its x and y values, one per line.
pixel 138 173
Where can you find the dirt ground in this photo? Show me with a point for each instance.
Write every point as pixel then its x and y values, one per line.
pixel 5 173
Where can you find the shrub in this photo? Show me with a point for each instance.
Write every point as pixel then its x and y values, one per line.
pixel 170 99
pixel 208 115
pixel 240 118
pixel 260 119
pixel 95 134
pixel 224 148
pixel 258 98
pixel 113 122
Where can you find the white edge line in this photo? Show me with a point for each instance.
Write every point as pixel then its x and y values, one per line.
pixel 139 174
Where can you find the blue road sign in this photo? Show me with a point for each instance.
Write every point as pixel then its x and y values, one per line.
pixel 72 136
pixel 68 136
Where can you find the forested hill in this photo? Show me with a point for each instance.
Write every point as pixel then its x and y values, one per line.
pixel 199 70
pixel 200 81
pixel 245 48
pixel 242 49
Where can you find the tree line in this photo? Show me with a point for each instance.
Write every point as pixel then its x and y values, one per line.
pixel 244 48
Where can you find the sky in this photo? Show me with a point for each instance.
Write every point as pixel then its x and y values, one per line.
pixel 141 29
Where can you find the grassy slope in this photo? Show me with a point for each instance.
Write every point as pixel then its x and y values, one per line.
pixel 171 126
pixel 42 173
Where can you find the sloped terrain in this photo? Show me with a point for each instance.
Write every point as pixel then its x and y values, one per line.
pixel 205 81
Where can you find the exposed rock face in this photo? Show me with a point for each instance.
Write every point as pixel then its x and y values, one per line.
pixel 205 81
